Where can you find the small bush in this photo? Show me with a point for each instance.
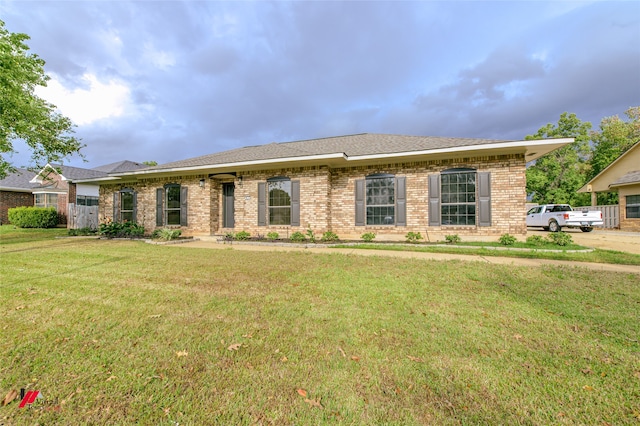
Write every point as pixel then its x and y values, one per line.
pixel 121 230
pixel 413 237
pixel 229 236
pixel 452 239
pixel 367 237
pixel 311 235
pixel 298 237
pixel 242 236
pixel 33 217
pixel 273 236
pixel 560 238
pixel 166 234
pixel 507 240
pixel 536 240
pixel 329 237
pixel 82 232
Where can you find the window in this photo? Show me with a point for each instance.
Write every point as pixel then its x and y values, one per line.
pixel 46 200
pixel 460 197
pixel 380 200
pixel 171 205
pixel 279 202
pixel 633 206
pixel 534 210
pixel 86 200
pixel 124 205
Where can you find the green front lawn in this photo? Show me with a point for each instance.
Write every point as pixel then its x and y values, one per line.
pixel 122 332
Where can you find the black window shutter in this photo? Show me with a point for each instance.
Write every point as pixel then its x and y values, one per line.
pixel 295 203
pixel 159 206
pixel 183 205
pixel 401 201
pixel 360 190
pixel 116 207
pixel 434 200
pixel 262 204
pixel 484 199
pixel 135 207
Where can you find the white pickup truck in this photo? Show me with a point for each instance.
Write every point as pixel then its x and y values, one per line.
pixel 554 217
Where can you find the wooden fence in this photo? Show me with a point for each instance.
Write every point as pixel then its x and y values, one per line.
pixel 610 214
pixel 82 216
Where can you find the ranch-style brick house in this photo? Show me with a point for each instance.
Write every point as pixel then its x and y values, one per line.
pixel 386 184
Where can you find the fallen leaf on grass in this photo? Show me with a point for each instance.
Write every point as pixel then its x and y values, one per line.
pixel 284 359
pixel 182 353
pixel 586 370
pixel 19 308
pixel 355 358
pixel 234 347
pixel 517 336
pixel 313 403
pixel 413 358
pixel 13 394
pixel 302 392
pixel 587 388
pixel 155 316
pixel 342 352
pixel 111 378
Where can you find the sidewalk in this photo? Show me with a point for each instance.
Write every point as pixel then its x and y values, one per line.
pixel 414 255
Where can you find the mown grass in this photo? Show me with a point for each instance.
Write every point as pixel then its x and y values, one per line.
pixel 557 252
pixel 124 332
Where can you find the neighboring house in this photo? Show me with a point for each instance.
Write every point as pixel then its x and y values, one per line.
pixel 386 184
pixel 621 176
pixel 15 191
pixel 54 186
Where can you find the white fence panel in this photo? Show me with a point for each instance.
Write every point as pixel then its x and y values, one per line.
pixel 82 217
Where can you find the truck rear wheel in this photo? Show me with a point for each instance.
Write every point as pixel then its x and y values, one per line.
pixel 586 228
pixel 553 226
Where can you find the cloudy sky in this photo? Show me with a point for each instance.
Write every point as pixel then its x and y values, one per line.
pixel 168 80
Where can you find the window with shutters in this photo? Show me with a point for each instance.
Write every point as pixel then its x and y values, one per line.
pixel 172 204
pixel 279 189
pixel 127 205
pixel 380 199
pixel 458 197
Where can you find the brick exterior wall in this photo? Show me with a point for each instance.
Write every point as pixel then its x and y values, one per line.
pixel 10 200
pixel 327 200
pixel 628 224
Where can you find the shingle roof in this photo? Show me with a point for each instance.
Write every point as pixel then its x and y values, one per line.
pixel 120 167
pixel 18 180
pixel 71 173
pixel 629 178
pixel 351 145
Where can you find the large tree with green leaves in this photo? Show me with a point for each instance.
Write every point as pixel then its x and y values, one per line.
pixel 614 138
pixel 25 116
pixel 556 177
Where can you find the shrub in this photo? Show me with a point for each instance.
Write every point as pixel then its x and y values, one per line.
pixel 311 235
pixel 229 236
pixel 33 217
pixel 413 237
pixel 329 236
pixel 272 236
pixel 536 240
pixel 367 237
pixel 560 238
pixel 166 234
pixel 82 232
pixel 121 230
pixel 298 237
pixel 242 236
pixel 507 240
pixel 452 239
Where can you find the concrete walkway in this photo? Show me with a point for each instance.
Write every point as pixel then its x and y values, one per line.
pixel 411 255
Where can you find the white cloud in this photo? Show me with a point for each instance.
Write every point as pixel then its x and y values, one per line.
pixel 159 58
pixel 99 101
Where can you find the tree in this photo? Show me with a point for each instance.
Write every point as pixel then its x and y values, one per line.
pixel 614 138
pixel 150 163
pixel 23 115
pixel 556 177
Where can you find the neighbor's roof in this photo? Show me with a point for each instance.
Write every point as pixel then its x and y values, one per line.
pixel 341 150
pixel 120 167
pixel 628 179
pixel 18 181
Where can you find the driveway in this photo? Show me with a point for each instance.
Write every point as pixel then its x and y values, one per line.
pixel 602 239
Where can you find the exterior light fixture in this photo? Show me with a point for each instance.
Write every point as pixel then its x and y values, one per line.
pixel 201 183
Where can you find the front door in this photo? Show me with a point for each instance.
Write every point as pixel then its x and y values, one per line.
pixel 228 209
